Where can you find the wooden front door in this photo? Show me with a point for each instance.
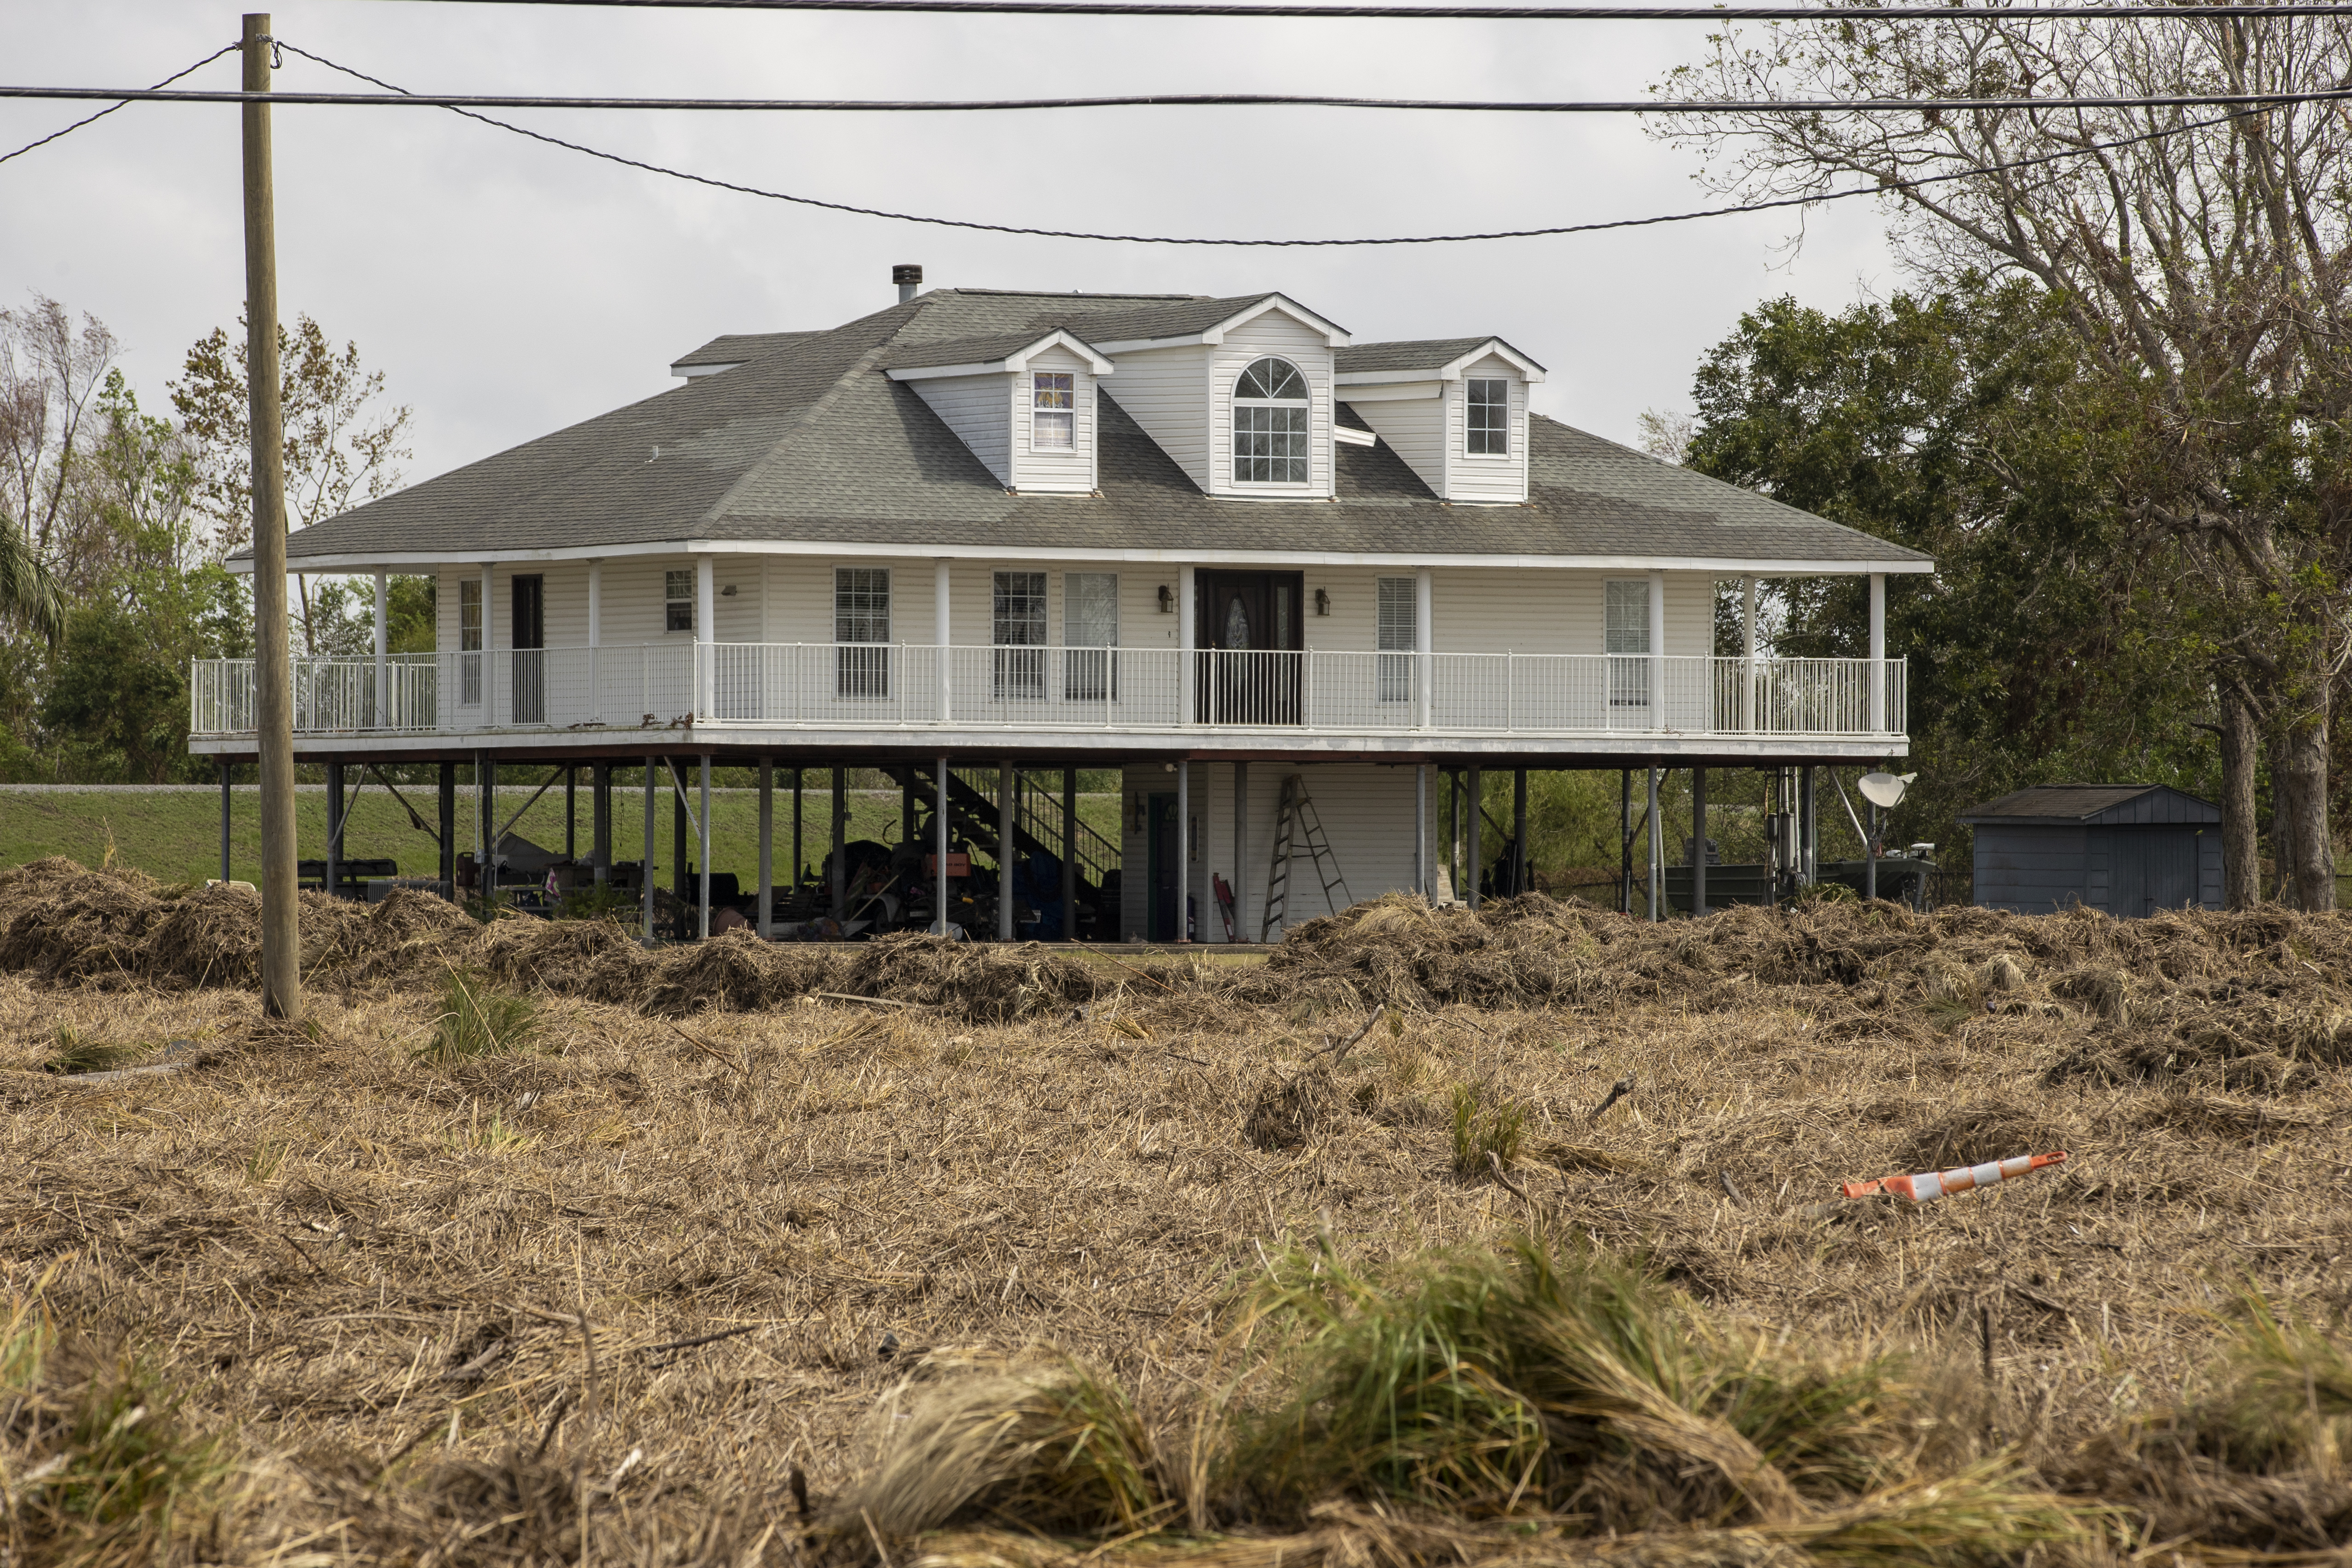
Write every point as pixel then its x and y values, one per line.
pixel 1251 643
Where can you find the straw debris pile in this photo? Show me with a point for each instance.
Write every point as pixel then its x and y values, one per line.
pixel 910 1252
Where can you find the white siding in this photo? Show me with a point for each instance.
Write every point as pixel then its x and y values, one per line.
pixel 980 410
pixel 799 598
pixel 1475 479
pixel 1302 345
pixel 1366 814
pixel 1054 472
pixel 1165 391
pixel 1413 426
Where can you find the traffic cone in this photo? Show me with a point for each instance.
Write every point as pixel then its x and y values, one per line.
pixel 1931 1184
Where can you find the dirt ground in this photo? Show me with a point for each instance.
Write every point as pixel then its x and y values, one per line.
pixel 366 1276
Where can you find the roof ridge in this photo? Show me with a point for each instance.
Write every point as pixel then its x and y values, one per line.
pixel 809 412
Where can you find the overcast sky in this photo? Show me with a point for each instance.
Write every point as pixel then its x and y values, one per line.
pixel 507 288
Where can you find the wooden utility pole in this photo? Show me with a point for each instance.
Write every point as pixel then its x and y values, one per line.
pixel 281 973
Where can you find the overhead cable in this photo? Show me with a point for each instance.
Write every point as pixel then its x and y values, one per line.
pixel 464 101
pixel 1472 13
pixel 224 49
pixel 1888 188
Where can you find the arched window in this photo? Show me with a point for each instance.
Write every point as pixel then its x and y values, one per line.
pixel 1270 425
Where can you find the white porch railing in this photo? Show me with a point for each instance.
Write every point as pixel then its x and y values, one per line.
pixel 833 686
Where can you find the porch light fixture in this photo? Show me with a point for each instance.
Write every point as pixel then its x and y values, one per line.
pixel 727 592
pixel 1322 600
pixel 1167 600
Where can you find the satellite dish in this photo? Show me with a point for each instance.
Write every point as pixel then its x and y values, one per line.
pixel 1886 789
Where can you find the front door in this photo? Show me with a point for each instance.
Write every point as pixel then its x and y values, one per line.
pixel 530 641
pixel 1251 642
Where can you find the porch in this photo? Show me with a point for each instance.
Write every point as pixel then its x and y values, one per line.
pixel 1093 696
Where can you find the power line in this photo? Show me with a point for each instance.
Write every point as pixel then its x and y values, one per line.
pixel 1559 229
pixel 1471 13
pixel 223 49
pixel 464 102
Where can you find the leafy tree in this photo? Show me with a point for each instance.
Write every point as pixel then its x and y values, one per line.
pixel 48 374
pixel 342 444
pixel 2046 646
pixel 2198 261
pixel 114 692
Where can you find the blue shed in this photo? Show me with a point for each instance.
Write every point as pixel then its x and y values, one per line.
pixel 2129 850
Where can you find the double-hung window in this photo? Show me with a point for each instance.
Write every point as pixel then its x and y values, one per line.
pixel 469 641
pixel 1018 629
pixel 1053 411
pixel 861 629
pixel 1399 637
pixel 1490 418
pixel 1270 425
pixel 1090 630
pixel 677 601
pixel 1626 639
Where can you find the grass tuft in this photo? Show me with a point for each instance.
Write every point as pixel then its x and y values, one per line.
pixel 74 1054
pixel 477 1020
pixel 1484 1126
pixel 1052 1445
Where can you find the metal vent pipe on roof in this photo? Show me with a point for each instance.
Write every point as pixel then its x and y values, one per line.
pixel 909 276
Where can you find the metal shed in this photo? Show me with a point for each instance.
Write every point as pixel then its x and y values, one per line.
pixel 2129 850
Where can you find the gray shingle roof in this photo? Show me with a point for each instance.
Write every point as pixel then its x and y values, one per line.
pixel 965 350
pixel 1425 353
pixel 809 442
pixel 735 348
pixel 2074 802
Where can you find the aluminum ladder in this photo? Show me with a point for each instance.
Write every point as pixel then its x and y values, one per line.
pixel 1297 822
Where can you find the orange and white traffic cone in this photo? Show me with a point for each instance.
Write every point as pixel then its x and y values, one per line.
pixel 1932 1184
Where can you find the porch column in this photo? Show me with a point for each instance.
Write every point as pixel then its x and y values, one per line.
pixel 1657 855
pixel 600 808
pixel 1878 724
pixel 596 641
pixel 798 776
pixel 706 636
pixel 1624 841
pixel 1420 876
pixel 1518 830
pixel 677 842
pixel 840 843
pixel 382 651
pixel 1241 851
pixel 489 660
pixel 1747 652
pixel 1008 858
pixel 646 866
pixel 1657 650
pixel 1184 805
pixel 1424 643
pixel 940 850
pixel 767 847
pixel 1476 836
pixel 702 845
pixel 486 790
pixel 1069 854
pixel 448 868
pixel 572 812
pixel 1698 842
pixel 1185 674
pixel 334 826
pixel 941 600
pixel 225 818
pixel 1807 828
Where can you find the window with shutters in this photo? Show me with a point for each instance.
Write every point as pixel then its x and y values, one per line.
pixel 1090 634
pixel 861 627
pixel 1626 639
pixel 1400 635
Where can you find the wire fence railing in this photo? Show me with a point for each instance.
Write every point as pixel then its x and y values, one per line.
pixel 895 686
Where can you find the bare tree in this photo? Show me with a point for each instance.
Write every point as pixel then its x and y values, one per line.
pixel 49 371
pixel 1665 437
pixel 343 444
pixel 2201 255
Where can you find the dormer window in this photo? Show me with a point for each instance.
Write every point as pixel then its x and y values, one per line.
pixel 1053 418
pixel 1270 425
pixel 1490 418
